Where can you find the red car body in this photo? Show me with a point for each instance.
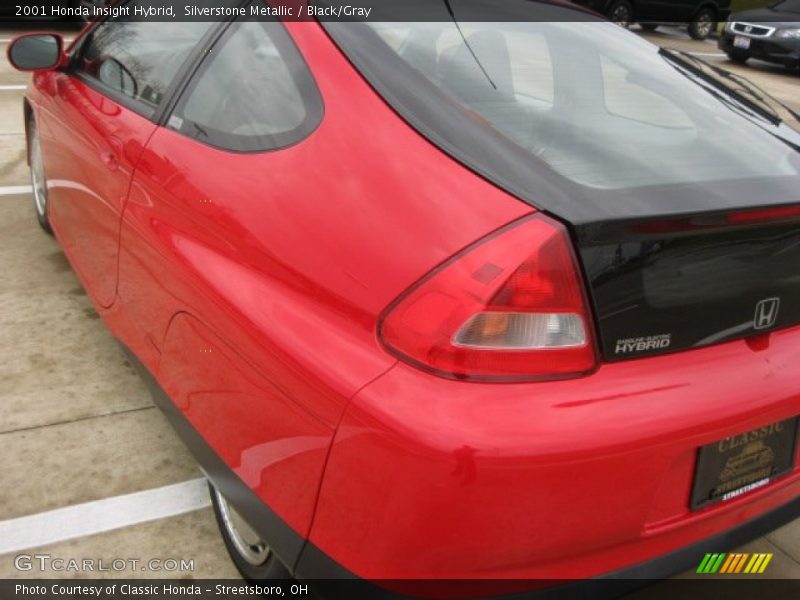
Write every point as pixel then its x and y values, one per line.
pixel 251 286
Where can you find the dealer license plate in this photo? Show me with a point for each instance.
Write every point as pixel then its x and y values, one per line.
pixel 741 463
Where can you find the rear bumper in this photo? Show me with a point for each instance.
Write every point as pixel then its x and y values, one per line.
pixel 785 52
pixel 431 478
pixel 331 580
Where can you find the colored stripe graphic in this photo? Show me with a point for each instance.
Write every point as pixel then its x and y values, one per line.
pixel 753 563
pixel 732 567
pixel 708 563
pixel 758 560
pixel 741 562
pixel 718 563
pixel 703 563
pixel 767 558
pixel 731 563
pixel 727 564
pixel 736 562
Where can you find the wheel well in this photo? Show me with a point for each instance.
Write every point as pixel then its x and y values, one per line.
pixel 27 112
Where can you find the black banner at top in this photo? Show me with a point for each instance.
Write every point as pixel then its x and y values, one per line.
pixel 310 10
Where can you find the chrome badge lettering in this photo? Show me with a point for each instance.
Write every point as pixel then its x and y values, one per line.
pixel 642 344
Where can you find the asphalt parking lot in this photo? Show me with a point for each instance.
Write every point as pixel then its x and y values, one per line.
pixel 90 468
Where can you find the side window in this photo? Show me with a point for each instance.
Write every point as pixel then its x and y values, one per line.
pixel 137 60
pixel 253 92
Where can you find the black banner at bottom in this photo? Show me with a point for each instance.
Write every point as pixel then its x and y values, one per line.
pixel 710 587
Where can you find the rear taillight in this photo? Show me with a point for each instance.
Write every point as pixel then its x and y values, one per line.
pixel 510 307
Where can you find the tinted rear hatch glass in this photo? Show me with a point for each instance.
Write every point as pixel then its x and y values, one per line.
pixel 644 157
pixel 667 285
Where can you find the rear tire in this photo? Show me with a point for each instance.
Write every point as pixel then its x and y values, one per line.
pixel 251 555
pixel 38 178
pixel 621 13
pixel 737 57
pixel 703 24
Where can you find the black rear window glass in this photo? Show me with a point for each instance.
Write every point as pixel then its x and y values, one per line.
pixel 598 105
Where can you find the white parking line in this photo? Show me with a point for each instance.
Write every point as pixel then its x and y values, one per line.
pixel 706 53
pixel 102 515
pixel 6 88
pixel 15 190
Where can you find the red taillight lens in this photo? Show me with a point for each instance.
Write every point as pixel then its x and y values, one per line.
pixel 508 308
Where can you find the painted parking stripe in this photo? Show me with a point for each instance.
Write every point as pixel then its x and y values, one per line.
pixel 98 516
pixel 15 190
pixel 9 88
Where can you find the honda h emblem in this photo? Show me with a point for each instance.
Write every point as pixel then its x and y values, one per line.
pixel 748 29
pixel 766 313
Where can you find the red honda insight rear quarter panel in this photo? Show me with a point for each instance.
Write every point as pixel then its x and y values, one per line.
pixel 288 258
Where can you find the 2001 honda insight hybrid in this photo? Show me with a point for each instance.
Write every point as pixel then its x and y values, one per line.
pixel 514 299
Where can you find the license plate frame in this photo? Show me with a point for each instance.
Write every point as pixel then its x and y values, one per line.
pixel 730 467
pixel 741 42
